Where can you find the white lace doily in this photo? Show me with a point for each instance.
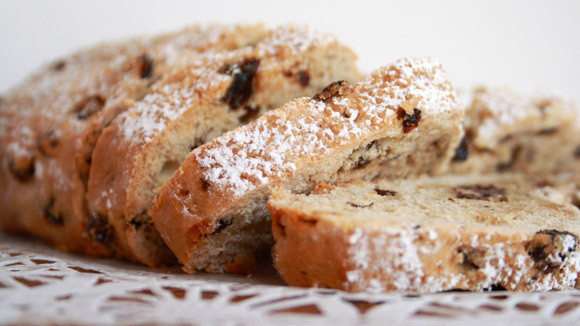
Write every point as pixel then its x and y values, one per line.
pixel 39 285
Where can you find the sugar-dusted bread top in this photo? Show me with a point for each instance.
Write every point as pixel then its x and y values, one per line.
pixel 49 125
pixel 498 113
pixel 507 131
pixel 431 234
pixel 203 99
pixel 403 120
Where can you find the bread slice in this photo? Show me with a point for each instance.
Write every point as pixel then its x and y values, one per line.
pixel 498 231
pixel 506 131
pixel 185 110
pixel 50 124
pixel 403 120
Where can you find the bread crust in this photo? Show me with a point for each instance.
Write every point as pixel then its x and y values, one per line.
pixel 318 247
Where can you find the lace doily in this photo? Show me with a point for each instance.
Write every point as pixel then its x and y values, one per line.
pixel 39 285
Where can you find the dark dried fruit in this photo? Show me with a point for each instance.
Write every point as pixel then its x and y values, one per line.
pixel 303 78
pixel 503 166
pixel 50 215
pixel 144 66
pixel 360 206
pixel 308 221
pixel 22 168
pixel 140 220
pixel 99 229
pixel 251 113
pixel 550 249
pixel 59 65
pixel 89 106
pixel 472 258
pixel 333 90
pixel 497 287
pixel 221 224
pixel 481 192
pixel 241 88
pixel 544 183
pixel 204 184
pixel 360 163
pixel 577 152
pixel 546 132
pixel 382 192
pixel 48 143
pixel 410 121
pixel 462 151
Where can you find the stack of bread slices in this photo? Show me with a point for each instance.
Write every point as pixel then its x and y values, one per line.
pixel 218 147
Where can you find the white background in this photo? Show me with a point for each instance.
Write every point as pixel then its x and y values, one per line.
pixel 522 44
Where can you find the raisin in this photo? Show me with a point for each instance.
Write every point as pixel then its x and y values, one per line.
pixel 89 106
pixel 22 169
pixel 303 78
pixel 251 112
pixel 410 121
pixel 503 166
pixel 497 287
pixel 360 163
pixel 140 220
pixel 48 143
pixel 551 248
pixel 312 222
pixel 472 258
pixel 480 192
pixel 360 206
pixel 385 192
pixel 50 215
pixel 462 151
pixel 222 223
pixel 204 184
pixel 544 183
pixel 577 152
pixel 59 65
pixel 99 229
pixel 144 66
pixel 335 89
pixel 241 88
pixel 547 132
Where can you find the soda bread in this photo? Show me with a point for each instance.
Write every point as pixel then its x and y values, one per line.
pixel 403 120
pixel 499 231
pixel 186 109
pixel 505 131
pixel 50 124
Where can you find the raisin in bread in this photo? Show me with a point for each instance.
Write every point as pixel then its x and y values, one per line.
pixel 510 132
pixel 403 120
pixel 498 231
pixel 185 110
pixel 50 124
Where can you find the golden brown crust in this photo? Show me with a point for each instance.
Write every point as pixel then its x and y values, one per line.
pixel 318 247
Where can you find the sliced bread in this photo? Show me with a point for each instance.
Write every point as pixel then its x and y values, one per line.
pixel 50 124
pixel 144 146
pixel 498 231
pixel 403 120
pixel 506 131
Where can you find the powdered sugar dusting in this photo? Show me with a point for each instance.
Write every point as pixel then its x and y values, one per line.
pixel 268 149
pixel 169 100
pixel 497 112
pixel 393 259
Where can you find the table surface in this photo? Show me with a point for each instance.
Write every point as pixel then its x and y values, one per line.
pixel 39 285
